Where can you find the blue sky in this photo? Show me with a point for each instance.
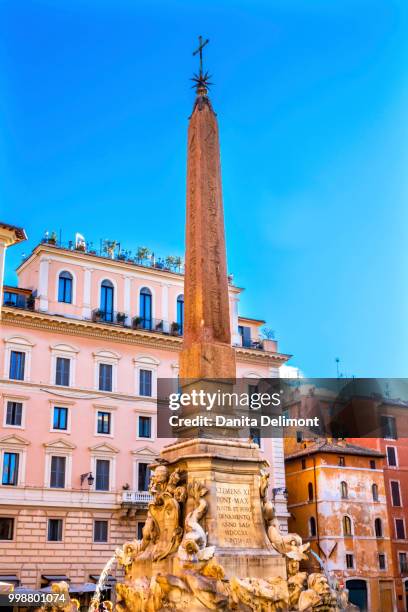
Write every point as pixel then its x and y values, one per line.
pixel 311 99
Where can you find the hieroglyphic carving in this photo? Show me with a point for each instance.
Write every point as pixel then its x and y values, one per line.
pixel 206 286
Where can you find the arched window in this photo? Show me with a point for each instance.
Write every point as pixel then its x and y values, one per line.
pixel 65 287
pixel 145 308
pixel 343 489
pixel 374 490
pixel 312 526
pixel 310 491
pixel 347 530
pixel 378 528
pixel 107 300
pixel 180 314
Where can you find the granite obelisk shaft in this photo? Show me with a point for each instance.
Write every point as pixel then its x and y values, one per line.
pixel 207 351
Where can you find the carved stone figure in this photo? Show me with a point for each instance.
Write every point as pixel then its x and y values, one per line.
pixel 318 596
pixel 260 595
pixel 296 584
pixel 193 546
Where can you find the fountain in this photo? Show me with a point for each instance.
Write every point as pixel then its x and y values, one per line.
pixel 211 540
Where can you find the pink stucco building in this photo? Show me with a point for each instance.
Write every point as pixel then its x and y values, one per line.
pixel 84 338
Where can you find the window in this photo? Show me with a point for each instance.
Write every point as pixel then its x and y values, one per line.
pixel 349 561
pixel 299 437
pixel 378 528
pixel 107 301
pixel 17 364
pixel 395 493
pixel 303 464
pixel 105 377
pixel 180 314
pixel 402 561
pixel 145 308
pixel 391 456
pixel 10 469
pixel 143 474
pixel 104 423
pixel 342 461
pixel 65 287
pixel 252 389
pixel 6 528
pixel 60 418
pixel 343 489
pixel 255 433
pixel 102 475
pixel 312 526
pixel 245 333
pixel 145 427
pixel 14 414
pixel 400 529
pixel 100 531
pixel 55 530
pixel 145 383
pixel 381 561
pixel 374 490
pixel 57 477
pixel 372 464
pixel 310 491
pixel 388 427
pixel 347 531
pixel 62 371
pixel 140 526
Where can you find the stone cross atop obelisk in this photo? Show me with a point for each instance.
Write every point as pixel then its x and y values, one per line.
pixel 207 351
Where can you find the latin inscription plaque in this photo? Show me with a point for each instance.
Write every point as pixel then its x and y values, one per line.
pixel 235 516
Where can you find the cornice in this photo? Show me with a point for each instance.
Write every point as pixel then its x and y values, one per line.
pixel 89 329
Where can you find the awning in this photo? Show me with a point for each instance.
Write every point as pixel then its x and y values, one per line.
pixel 25 590
pixel 9 578
pixel 109 580
pixel 86 587
pixel 57 578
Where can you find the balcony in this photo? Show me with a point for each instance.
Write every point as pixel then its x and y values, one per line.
pixel 140 499
pixel 120 319
pixel 14 297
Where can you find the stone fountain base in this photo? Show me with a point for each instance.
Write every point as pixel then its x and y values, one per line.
pixel 211 540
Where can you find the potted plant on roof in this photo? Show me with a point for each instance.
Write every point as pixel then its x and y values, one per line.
pixel 30 302
pixel 175 329
pixel 53 238
pixel 97 315
pixel 137 322
pixel 178 263
pixel 121 317
pixel 170 262
pixel 142 254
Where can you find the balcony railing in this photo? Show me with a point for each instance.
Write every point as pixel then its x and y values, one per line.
pixel 149 324
pixel 139 498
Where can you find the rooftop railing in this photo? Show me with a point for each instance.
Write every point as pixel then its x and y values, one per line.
pixel 111 249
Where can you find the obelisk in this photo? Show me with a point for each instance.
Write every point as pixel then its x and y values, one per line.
pixel 207 352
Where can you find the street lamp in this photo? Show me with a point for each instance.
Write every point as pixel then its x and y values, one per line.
pixel 89 477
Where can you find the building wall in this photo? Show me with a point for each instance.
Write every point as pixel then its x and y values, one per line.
pixel 397 473
pixel 56 329
pixel 328 508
